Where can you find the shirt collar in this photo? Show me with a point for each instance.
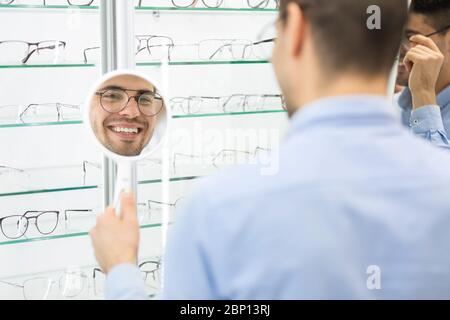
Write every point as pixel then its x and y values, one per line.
pixel 405 98
pixel 344 110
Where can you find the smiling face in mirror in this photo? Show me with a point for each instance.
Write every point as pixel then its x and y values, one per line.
pixel 124 112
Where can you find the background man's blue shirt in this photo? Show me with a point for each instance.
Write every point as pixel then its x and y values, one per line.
pixel 431 122
pixel 354 190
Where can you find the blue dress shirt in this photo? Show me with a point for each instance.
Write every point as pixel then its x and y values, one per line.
pixel 430 122
pixel 358 209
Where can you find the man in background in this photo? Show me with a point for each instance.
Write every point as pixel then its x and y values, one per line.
pixel 424 71
pixel 359 209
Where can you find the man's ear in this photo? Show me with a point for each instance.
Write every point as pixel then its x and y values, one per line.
pixel 295 29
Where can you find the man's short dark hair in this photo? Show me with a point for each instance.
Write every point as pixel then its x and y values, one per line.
pixel 343 39
pixel 436 12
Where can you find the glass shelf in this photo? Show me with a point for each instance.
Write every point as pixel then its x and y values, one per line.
pixel 139 64
pixel 199 63
pixel 204 9
pixel 40 124
pixel 144 182
pixel 87 175
pixel 21 193
pixel 65 236
pixel 143 8
pixel 178 116
pixel 79 188
pixel 222 114
pixel 64 65
pixel 77 224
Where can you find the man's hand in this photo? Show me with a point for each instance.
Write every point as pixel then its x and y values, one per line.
pixel 116 239
pixel 424 62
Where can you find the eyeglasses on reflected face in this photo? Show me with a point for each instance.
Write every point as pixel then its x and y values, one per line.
pixel 117 99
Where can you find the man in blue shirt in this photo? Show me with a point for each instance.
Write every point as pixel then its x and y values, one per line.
pixel 359 208
pixel 424 70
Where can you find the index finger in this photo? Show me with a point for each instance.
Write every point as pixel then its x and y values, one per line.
pixel 427 42
pixel 128 205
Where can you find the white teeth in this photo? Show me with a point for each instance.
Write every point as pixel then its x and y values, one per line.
pixel 126 130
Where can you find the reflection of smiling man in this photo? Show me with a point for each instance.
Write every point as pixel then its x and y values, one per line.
pixel 123 114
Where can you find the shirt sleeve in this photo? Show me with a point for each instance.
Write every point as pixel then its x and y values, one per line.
pixel 124 282
pixel 426 122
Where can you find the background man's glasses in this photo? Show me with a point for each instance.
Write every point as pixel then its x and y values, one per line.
pixel 406 43
pixel 116 100
pixel 438 31
pixel 21 51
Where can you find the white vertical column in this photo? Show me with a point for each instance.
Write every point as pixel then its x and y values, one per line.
pixel 117 47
